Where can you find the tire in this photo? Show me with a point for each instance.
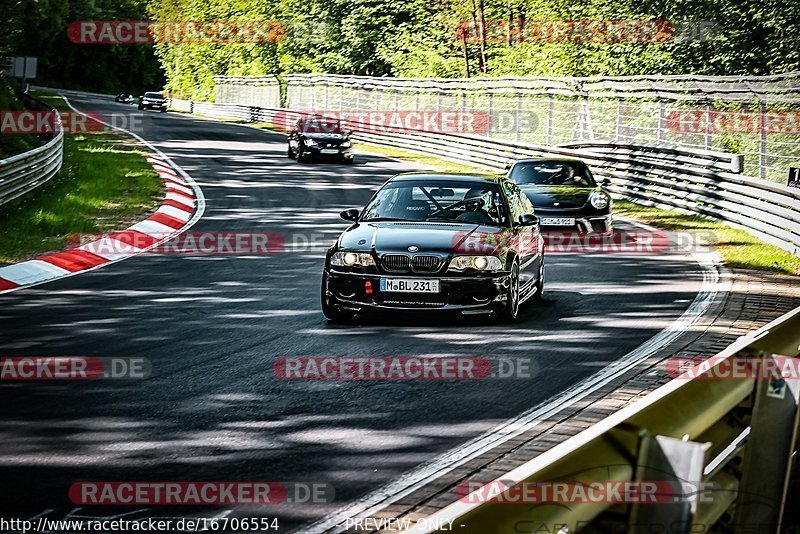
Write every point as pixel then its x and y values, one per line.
pixel 511 311
pixel 331 311
pixel 290 154
pixel 140 108
pixel 539 295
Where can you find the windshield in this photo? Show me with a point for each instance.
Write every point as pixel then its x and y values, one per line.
pixel 153 95
pixel 321 125
pixel 446 201
pixel 574 173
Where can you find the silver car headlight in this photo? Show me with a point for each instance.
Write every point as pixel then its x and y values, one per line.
pixel 599 200
pixel 311 142
pixel 346 144
pixel 477 263
pixel 352 259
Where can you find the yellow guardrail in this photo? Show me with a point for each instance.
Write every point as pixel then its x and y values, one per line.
pixel 717 443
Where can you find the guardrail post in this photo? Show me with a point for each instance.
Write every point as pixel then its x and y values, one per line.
pixel 768 452
pixel 618 126
pixel 491 114
pixel 709 125
pixel 763 127
pixel 660 128
pixel 550 112
pixel 518 116
pixel 668 461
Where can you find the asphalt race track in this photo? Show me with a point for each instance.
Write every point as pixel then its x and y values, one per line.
pixel 212 326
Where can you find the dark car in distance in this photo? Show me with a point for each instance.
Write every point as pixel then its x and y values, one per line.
pixel 565 194
pixel 466 244
pixel 125 98
pixel 153 101
pixel 317 137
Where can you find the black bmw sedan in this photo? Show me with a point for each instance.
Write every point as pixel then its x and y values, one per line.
pixel 564 193
pixel 153 101
pixel 317 137
pixel 468 244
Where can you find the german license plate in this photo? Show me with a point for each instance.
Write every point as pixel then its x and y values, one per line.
pixel 329 151
pixel 409 285
pixel 557 221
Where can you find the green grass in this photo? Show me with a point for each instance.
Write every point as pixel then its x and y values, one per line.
pixel 738 248
pixel 105 184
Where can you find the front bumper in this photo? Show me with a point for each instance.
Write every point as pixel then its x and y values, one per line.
pixel 316 152
pixel 160 107
pixel 465 294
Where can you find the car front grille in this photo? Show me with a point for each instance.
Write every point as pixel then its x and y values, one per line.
pixel 401 263
pixel 398 263
pixel 426 264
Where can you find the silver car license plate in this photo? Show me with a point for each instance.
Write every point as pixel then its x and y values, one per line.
pixel 409 285
pixel 557 221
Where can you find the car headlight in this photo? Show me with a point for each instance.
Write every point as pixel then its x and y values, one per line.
pixel 477 263
pixel 599 200
pixel 346 144
pixel 311 142
pixel 352 259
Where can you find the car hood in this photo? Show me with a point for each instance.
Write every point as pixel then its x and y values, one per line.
pixel 433 237
pixel 557 197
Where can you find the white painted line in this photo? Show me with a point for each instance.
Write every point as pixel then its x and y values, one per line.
pixel 182 189
pixel 110 249
pixel 31 272
pixel 153 228
pixel 371 504
pixel 174 212
pixel 179 198
pixel 160 166
pixel 195 192
pixel 168 176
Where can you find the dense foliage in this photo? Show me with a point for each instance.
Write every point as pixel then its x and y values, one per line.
pixel 39 28
pixel 412 38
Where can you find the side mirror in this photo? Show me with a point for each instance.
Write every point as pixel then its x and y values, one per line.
pixel 528 219
pixel 508 165
pixel 606 182
pixel 349 215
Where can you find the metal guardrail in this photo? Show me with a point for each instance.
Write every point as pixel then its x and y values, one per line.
pixel 25 172
pixel 755 114
pixel 702 182
pixel 728 445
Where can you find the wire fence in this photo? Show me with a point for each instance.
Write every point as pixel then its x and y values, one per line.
pixel 757 117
